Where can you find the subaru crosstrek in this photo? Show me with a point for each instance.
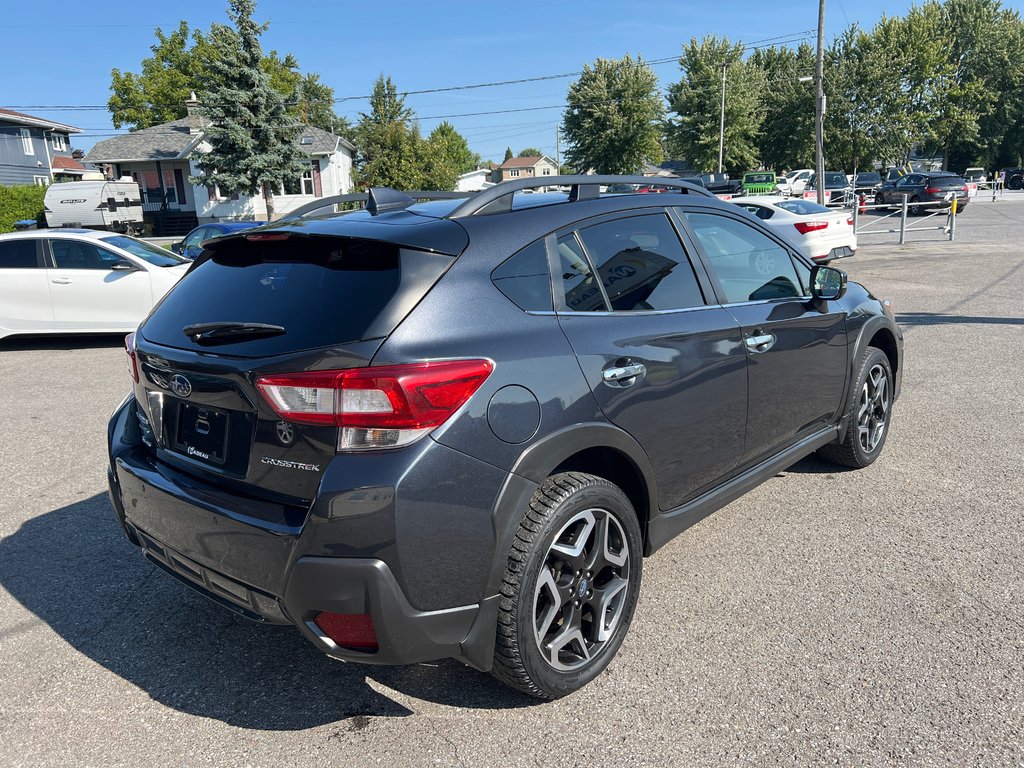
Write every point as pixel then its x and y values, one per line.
pixel 455 428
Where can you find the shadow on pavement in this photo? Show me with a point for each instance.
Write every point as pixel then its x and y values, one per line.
pixel 63 343
pixel 932 318
pixel 74 569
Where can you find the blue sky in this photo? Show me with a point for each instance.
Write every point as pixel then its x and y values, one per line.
pixel 420 44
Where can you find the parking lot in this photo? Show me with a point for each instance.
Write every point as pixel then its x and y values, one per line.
pixel 869 618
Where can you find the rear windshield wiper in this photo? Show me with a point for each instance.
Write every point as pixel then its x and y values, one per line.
pixel 224 332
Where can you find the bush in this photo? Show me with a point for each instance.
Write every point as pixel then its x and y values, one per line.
pixel 21 202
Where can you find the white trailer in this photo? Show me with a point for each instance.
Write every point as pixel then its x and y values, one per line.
pixel 113 205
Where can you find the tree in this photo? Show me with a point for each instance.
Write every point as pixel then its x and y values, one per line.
pixel 693 130
pixel 530 152
pixel 612 117
pixel 252 137
pixel 508 154
pixel 786 140
pixel 391 152
pixel 447 156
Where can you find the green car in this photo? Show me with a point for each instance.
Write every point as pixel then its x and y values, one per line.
pixel 759 183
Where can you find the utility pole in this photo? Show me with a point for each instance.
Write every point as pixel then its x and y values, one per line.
pixel 819 111
pixel 558 148
pixel 721 121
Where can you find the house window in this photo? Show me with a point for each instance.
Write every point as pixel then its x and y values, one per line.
pixel 40 181
pixel 26 141
pixel 546 171
pixel 514 172
pixel 307 182
pixel 60 142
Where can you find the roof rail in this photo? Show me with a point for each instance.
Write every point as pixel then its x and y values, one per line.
pixel 498 199
pixel 377 200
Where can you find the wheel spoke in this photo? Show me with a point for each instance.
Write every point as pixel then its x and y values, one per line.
pixel 571 635
pixel 547 590
pixel 607 599
pixel 572 550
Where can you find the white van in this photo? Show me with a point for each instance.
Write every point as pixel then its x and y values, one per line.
pixel 113 205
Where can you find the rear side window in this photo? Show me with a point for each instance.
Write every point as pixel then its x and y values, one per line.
pixel 321 290
pixel 525 278
pixel 18 254
pixel 642 264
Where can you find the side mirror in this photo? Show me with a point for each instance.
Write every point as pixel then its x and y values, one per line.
pixel 123 266
pixel 828 283
pixel 178 247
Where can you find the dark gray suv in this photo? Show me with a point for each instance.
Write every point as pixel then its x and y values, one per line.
pixel 455 428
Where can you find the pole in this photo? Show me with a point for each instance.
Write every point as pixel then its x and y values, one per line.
pixel 558 149
pixel 721 121
pixel 819 110
pixel 903 222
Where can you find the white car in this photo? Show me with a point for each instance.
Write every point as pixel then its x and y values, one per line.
pixel 822 234
pixel 794 182
pixel 80 281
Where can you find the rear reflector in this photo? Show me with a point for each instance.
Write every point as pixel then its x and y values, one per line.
pixel 377 407
pixel 349 630
pixel 803 227
pixel 129 348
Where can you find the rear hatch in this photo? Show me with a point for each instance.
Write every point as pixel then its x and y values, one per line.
pixel 262 304
pixel 940 186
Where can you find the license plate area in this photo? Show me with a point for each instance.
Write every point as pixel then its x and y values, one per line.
pixel 202 433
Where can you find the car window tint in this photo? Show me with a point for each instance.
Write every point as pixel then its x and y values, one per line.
pixel 524 278
pixel 581 291
pixel 77 254
pixel 642 264
pixel 758 210
pixel 18 254
pixel 750 266
pixel 802 207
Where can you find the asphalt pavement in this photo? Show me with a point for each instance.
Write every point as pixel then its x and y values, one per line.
pixel 854 618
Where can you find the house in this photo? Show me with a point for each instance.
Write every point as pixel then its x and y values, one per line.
pixel 162 158
pixel 34 150
pixel 474 181
pixel 524 168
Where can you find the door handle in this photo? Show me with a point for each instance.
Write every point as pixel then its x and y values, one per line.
pixel 622 375
pixel 62 281
pixel 762 342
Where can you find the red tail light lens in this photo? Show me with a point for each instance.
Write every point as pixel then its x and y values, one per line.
pixel 380 406
pixel 932 190
pixel 803 227
pixel 349 630
pixel 129 348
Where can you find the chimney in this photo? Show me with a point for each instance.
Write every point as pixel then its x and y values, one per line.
pixel 192 107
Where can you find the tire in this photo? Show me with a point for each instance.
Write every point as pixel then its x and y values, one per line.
pixel 550 640
pixel 870 407
pixel 1016 182
pixel 915 210
pixel 879 200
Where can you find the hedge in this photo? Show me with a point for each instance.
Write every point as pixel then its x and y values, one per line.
pixel 21 202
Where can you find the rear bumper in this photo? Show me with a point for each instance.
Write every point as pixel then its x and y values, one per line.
pixel 275 574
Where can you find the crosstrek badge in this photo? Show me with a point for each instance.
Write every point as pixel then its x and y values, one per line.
pixel 290 464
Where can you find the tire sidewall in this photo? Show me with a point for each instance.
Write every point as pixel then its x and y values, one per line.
pixel 604 496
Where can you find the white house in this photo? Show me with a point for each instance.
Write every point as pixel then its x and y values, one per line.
pixel 474 181
pixel 162 158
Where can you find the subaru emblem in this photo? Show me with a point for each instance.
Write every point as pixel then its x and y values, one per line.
pixel 181 386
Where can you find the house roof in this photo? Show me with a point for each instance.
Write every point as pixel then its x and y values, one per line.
pixel 524 162
pixel 19 118
pixel 175 140
pixel 67 164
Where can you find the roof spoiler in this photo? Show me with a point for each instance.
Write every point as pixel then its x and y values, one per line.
pixel 377 200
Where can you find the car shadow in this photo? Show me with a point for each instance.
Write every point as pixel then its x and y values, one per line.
pixel 911 319
pixel 74 569
pixel 813 464
pixel 63 343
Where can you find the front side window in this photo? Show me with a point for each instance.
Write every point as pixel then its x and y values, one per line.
pixel 641 264
pixel 77 254
pixel 749 265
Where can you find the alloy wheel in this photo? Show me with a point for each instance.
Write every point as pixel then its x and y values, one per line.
pixel 581 590
pixel 764 263
pixel 873 409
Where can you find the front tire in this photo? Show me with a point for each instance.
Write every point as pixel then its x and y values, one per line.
pixel 870 409
pixel 570 587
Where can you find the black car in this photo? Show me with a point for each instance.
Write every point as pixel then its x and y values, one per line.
pixel 455 428
pixel 866 182
pixel 837 188
pixel 1013 178
pixel 918 188
pixel 721 184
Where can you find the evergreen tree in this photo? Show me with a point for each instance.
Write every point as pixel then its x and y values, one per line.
pixel 252 137
pixel 508 154
pixel 391 152
pixel 612 117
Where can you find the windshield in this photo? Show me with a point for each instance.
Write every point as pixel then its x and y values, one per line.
pixel 158 257
pixel 759 178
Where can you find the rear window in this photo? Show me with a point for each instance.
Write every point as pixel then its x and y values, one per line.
pixel 868 178
pixel 321 290
pixel 946 182
pixel 802 207
pixel 835 180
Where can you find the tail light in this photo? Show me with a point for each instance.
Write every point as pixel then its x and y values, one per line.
pixel 803 227
pixel 349 630
pixel 133 365
pixel 377 407
pixel 932 190
pixel 964 188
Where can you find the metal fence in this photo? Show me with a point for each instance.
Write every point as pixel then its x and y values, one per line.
pixel 925 217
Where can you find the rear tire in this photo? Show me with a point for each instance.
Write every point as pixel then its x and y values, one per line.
pixel 870 409
pixel 570 587
pixel 915 210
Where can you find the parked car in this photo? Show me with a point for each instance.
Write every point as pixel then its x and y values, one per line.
pixel 721 184
pixel 822 234
pixel 759 183
pixel 794 182
pixel 866 183
pixel 191 245
pixel 837 188
pixel 456 428
pixel 80 281
pixel 917 188
pixel 1013 178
